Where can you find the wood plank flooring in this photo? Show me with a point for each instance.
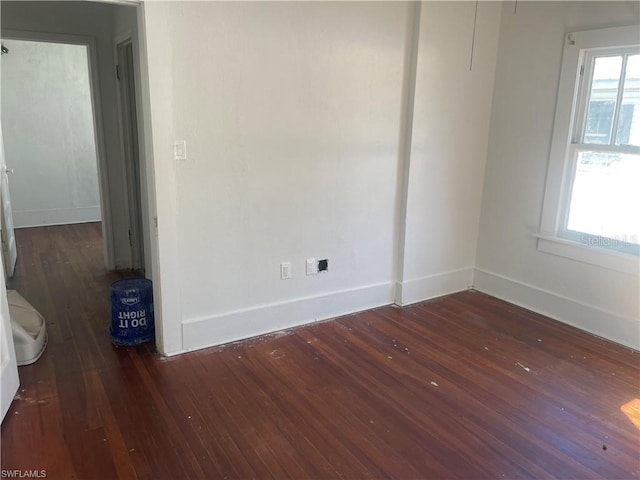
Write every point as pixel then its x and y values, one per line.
pixel 466 386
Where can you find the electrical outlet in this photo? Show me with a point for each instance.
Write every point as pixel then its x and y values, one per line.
pixel 312 266
pixel 323 265
pixel 285 270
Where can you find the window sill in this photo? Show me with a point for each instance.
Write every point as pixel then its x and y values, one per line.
pixel 611 260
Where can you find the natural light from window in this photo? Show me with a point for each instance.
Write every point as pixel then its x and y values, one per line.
pixel 605 195
pixel 632 411
pixel 591 208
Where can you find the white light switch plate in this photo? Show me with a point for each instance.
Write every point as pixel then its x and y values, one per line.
pixel 180 150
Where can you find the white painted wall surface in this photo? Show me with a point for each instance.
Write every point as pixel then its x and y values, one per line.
pixel 291 114
pixel 49 134
pixel 449 147
pixel 155 23
pixel 509 265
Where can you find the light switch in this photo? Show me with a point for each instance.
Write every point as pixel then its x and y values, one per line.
pixel 180 150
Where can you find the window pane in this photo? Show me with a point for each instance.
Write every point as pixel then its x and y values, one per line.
pixel 605 196
pixel 602 100
pixel 628 132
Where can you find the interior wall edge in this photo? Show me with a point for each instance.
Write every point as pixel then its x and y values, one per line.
pixel 412 46
pixel 432 286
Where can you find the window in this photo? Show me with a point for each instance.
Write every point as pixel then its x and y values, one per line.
pixel 593 186
pixel 604 197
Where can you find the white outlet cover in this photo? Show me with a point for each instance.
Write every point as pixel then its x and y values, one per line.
pixel 285 270
pixel 312 266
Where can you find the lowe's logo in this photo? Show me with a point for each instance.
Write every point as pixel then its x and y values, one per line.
pixel 130 301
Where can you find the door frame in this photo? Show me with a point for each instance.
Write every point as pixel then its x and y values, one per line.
pixel 167 309
pixel 9 379
pixel 134 168
pixel 98 126
pixel 7 230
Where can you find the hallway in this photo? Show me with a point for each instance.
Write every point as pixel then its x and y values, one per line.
pixel 61 272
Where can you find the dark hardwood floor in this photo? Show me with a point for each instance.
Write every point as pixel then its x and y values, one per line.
pixel 465 386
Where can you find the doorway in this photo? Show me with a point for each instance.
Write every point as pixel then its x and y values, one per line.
pixel 99 26
pixel 49 134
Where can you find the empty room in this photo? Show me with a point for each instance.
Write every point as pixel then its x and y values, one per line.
pixel 320 239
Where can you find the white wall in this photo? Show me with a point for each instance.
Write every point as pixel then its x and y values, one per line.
pixel 294 116
pixel 448 148
pixel 49 135
pixel 154 26
pixel 290 113
pixel 93 20
pixel 509 265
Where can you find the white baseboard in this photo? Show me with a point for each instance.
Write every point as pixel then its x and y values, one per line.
pixel 263 319
pixel 57 216
pixel 172 354
pixel 269 318
pixel 424 288
pixel 604 323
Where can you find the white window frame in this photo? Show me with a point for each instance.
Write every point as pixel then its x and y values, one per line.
pixel 552 237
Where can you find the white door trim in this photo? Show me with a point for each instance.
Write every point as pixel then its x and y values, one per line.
pixel 135 200
pixel 9 380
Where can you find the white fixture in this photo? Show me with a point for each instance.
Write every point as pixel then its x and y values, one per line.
pixel 312 266
pixel 285 270
pixel 180 150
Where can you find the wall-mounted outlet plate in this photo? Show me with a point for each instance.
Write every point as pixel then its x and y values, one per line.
pixel 312 266
pixel 323 265
pixel 285 270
